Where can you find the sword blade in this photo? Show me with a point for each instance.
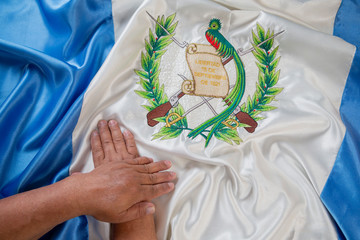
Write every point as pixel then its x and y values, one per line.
pixel 200 104
pixel 203 98
pixel 182 45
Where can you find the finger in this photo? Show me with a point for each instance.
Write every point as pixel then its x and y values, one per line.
pixel 154 167
pixel 156 178
pixel 130 143
pixel 154 191
pixel 139 160
pixel 118 138
pixel 96 148
pixel 106 139
pixel 136 211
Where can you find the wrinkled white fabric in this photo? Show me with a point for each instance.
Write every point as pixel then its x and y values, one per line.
pixel 267 187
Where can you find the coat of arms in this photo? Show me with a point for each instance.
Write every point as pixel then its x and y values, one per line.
pixel 209 80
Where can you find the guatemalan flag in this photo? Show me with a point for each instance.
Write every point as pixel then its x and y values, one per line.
pixel 284 165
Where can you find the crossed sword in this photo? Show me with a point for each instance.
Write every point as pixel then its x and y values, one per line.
pixel 164 108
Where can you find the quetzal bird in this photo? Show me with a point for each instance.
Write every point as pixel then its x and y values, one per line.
pixel 224 49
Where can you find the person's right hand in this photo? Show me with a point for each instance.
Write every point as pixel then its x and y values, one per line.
pixel 117 191
pixel 120 186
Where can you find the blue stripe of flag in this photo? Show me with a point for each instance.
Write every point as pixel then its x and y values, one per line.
pixel 341 194
pixel 49 53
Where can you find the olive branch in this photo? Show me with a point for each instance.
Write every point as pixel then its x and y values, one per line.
pixel 268 76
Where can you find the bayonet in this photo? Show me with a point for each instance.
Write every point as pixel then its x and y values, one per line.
pixel 241 53
pixel 182 45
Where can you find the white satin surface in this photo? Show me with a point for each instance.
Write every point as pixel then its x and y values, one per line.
pixel 267 187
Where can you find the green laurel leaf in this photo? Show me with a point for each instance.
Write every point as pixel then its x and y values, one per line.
pixel 149 108
pixel 266 100
pixel 261 32
pixel 148 48
pixel 151 38
pixel 274 91
pixel 274 79
pixel 169 20
pixel 167 133
pixel 159 53
pixel 273 54
pixel 160 119
pixel 261 67
pixel 274 64
pixel 259 57
pixel 172 28
pixel 145 61
pixel 142 74
pixel 144 94
pixel 265 107
pixel 256 40
pixel 228 135
pixel 145 85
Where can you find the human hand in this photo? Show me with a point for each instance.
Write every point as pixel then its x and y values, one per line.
pixel 111 144
pixel 118 189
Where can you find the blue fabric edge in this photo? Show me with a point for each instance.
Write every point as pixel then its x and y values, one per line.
pixel 341 193
pixel 79 223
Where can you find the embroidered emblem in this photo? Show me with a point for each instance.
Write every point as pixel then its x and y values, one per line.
pixel 210 80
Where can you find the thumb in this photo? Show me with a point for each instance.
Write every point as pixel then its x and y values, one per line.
pixel 136 211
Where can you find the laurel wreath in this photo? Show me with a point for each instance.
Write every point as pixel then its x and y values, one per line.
pixel 155 47
pixel 268 76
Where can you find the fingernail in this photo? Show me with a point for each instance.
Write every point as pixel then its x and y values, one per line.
pixel 150 210
pixel 94 133
pixel 173 174
pixel 102 123
pixel 171 185
pixel 168 163
pixel 127 132
pixel 112 122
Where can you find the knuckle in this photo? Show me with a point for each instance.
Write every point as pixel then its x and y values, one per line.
pixel 153 178
pixel 118 139
pixel 107 140
pixel 154 189
pixel 168 175
pixel 142 160
pixel 146 168
pixel 134 161
pixel 164 165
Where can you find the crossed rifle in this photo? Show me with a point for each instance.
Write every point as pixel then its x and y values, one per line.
pixel 173 102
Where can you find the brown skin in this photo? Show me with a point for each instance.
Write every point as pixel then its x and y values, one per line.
pixel 126 186
pixel 110 144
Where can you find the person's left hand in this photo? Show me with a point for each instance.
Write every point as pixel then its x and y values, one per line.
pixel 110 144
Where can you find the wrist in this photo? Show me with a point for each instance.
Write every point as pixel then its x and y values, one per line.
pixel 76 195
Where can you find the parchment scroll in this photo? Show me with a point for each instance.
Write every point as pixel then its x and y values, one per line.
pixel 209 74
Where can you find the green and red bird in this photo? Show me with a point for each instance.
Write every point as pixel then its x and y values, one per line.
pixel 224 49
